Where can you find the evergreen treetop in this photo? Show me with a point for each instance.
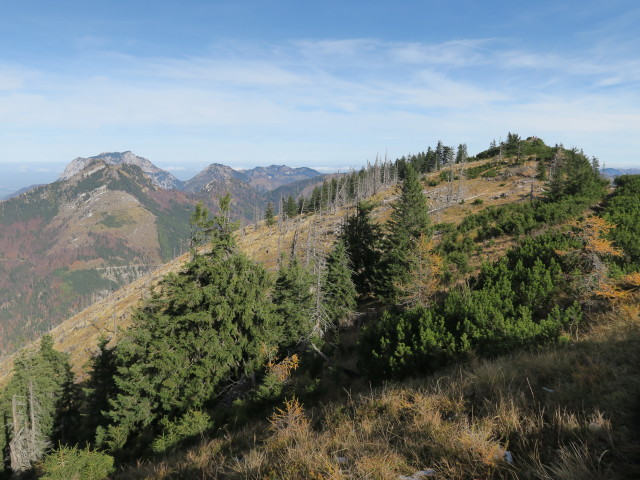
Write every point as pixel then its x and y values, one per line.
pixel 293 298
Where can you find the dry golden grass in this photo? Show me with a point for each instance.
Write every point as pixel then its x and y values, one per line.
pixel 566 412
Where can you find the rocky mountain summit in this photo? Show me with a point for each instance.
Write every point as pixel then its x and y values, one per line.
pixel 161 178
pixel 215 172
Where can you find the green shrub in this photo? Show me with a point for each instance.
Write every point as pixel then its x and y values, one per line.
pixel 72 463
pixel 478 201
pixel 192 423
pixel 402 344
pixel 623 209
pixel 513 303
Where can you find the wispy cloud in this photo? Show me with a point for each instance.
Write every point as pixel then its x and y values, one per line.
pixel 324 100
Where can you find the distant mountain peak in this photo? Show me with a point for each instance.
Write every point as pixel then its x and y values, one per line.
pixel 159 177
pixel 274 176
pixel 263 179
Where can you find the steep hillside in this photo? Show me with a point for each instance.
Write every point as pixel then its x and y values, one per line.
pixel 70 243
pixel 565 410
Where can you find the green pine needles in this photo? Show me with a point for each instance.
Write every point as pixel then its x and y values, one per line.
pixel 408 223
pixel 202 329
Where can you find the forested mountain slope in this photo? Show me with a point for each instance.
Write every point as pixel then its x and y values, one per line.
pixel 70 243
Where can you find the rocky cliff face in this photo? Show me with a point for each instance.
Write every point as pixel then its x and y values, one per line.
pixel 161 178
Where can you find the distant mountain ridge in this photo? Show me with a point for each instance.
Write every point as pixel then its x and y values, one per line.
pixel 215 172
pixel 21 191
pixel 108 220
pixel 263 179
pixel 274 176
pixel 616 172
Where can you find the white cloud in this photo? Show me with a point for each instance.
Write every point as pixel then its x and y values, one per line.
pixel 458 53
pixel 330 102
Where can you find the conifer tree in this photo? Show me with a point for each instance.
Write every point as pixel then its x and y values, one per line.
pixel 291 208
pixel 99 389
pixel 408 223
pixel 363 241
pixel 338 288
pixel 201 329
pixel 573 175
pixel 35 401
pixel 269 215
pixel 294 303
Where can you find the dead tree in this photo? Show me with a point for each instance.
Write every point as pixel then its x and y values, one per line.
pixel 460 175
pixel 18 446
pixel 28 444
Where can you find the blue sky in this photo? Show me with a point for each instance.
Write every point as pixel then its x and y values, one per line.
pixel 326 84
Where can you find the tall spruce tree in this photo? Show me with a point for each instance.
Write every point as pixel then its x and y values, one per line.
pixel 573 175
pixel 363 242
pixel 201 329
pixel 408 223
pixel 99 388
pixel 339 292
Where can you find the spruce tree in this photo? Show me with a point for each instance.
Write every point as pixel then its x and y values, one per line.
pixel 203 328
pixel 573 175
pixel 339 291
pixel 269 215
pixel 294 301
pixel 291 207
pixel 99 388
pixel 408 223
pixel 363 241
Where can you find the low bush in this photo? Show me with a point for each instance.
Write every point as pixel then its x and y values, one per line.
pixel 72 463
